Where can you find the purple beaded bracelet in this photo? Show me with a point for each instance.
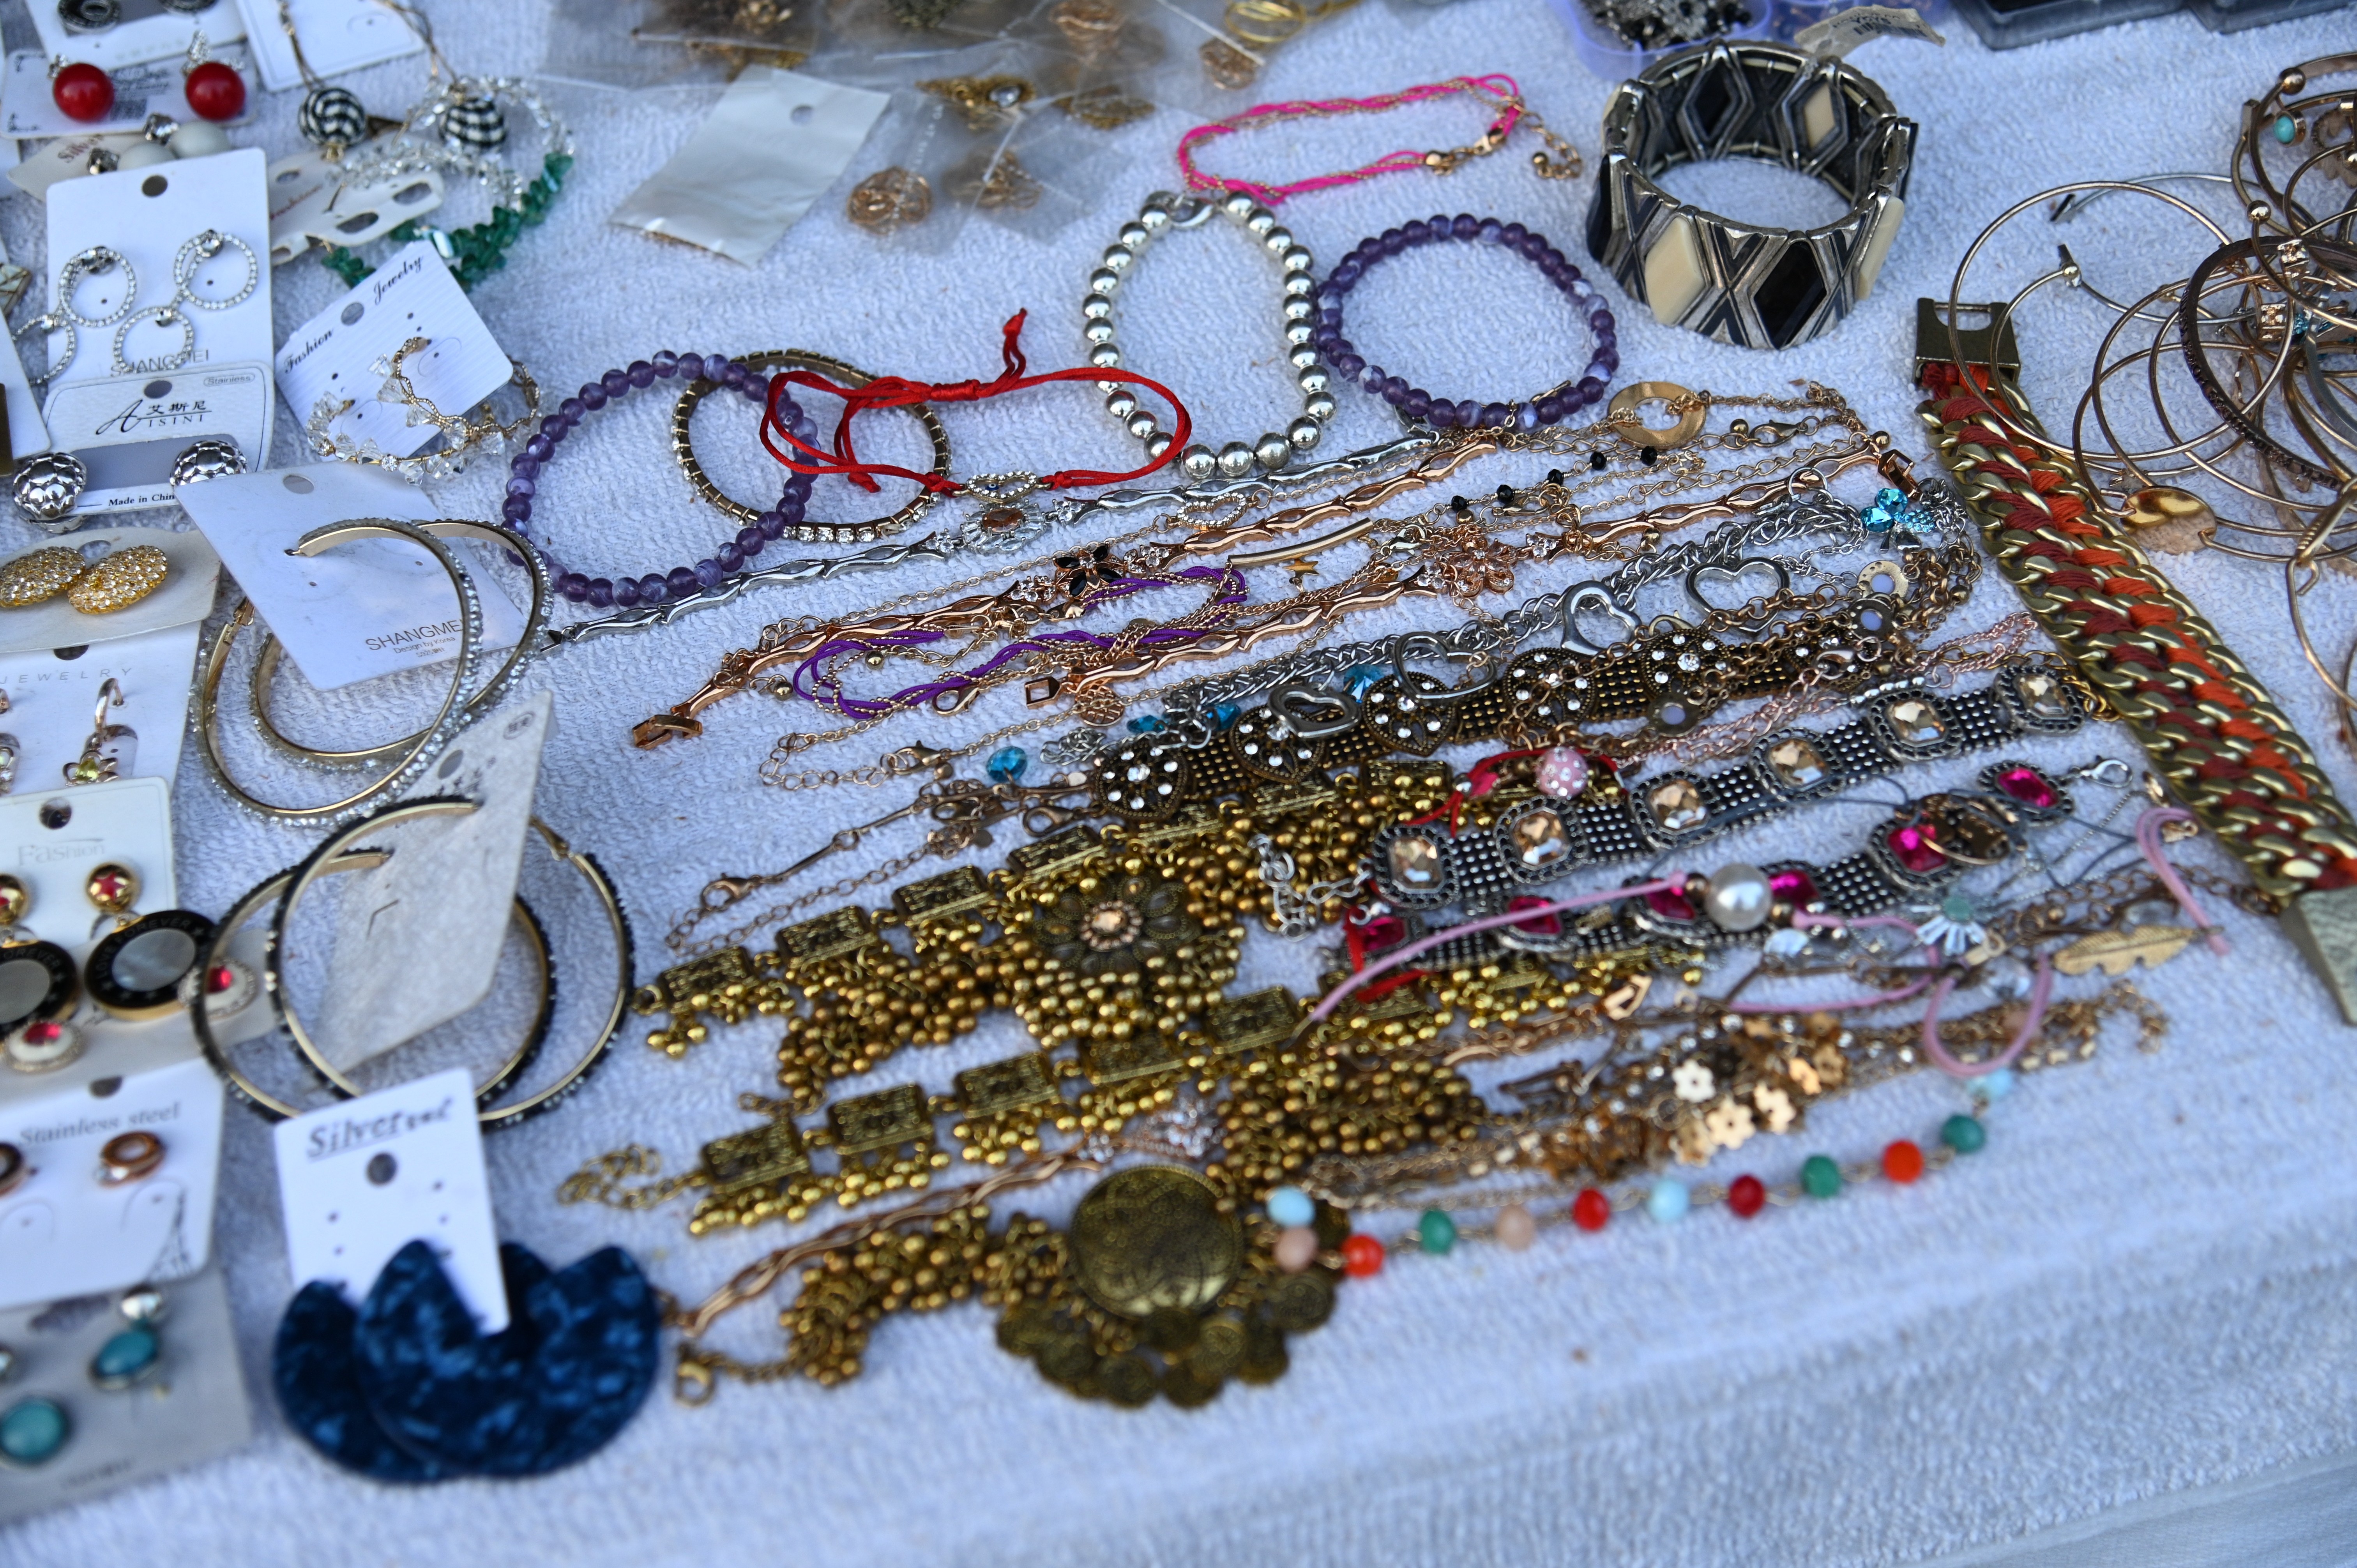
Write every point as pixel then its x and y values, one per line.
pixel 680 582
pixel 1557 403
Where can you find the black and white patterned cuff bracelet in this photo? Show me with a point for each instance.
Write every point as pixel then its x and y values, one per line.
pixel 1738 283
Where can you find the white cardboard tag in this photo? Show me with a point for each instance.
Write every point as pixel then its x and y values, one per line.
pixel 51 701
pixel 147 30
pixel 440 905
pixel 413 295
pixel 361 1179
pixel 64 1232
pixel 311 202
pixel 146 215
pixel 128 430
pixel 338 36
pixel 1843 31
pixel 67 157
pixel 29 108
pixel 771 146
pixel 374 606
pixel 51 839
pixel 185 597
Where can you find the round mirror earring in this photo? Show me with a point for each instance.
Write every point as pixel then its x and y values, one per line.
pixel 38 985
pixel 136 972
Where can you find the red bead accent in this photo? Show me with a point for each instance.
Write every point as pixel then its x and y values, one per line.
pixel 1547 925
pixel 216 91
pixel 2027 786
pixel 45 1033
pixel 84 93
pixel 1793 886
pixel 1671 904
pixel 1747 1194
pixel 1363 1256
pixel 1913 848
pixel 1591 1210
pixel 1902 1162
pixel 221 978
pixel 111 888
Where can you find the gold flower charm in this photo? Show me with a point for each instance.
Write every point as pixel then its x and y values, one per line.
pixel 1119 930
pixel 1695 1082
pixel 1775 1106
pixel 1730 1123
pixel 42 574
pixel 120 581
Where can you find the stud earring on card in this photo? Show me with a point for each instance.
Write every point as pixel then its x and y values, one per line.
pixel 129 1158
pixel 96 766
pixel 33 1432
pixel 210 458
pixel 134 1354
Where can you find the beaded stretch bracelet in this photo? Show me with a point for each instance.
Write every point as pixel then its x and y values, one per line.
pixel 680 582
pixel 1558 402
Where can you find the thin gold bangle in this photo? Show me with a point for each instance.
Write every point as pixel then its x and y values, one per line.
pixel 265 663
pixel 683 447
pixel 431 740
pixel 274 887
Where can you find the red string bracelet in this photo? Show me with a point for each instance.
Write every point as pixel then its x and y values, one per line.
pixel 894 391
pixel 1498 87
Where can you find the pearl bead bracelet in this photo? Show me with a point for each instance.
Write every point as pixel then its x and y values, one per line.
pixel 1165 211
pixel 1558 402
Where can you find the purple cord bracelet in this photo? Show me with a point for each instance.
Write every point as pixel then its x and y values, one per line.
pixel 1558 402
pixel 680 582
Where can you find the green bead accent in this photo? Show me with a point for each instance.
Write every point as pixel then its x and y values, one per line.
pixel 1436 1231
pixel 1963 1133
pixel 1820 1177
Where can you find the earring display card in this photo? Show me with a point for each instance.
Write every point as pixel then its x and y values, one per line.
pixel 770 148
pixel 63 1230
pixel 29 107
pixel 192 1408
pixel 440 905
pixel 49 841
pixel 360 1180
pixel 374 606
pixel 338 36
pixel 22 432
pixel 411 296
pixel 53 693
pixel 146 216
pixel 129 430
pixel 185 598
pixel 147 30
pixel 311 202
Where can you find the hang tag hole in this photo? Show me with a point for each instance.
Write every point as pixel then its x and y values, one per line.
pixel 298 483
pixel 802 114
pixel 356 225
pixel 411 195
pixel 154 184
pixel 55 813
pixel 290 176
pixel 104 1088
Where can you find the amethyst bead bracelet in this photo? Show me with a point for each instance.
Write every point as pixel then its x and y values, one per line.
pixel 680 582
pixel 1557 403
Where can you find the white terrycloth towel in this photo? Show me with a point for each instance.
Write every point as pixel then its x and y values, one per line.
pixel 2140 1286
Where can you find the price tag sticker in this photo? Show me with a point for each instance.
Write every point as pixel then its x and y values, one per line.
pixel 362 1179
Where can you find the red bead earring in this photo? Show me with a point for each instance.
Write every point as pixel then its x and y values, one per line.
pixel 214 90
pixel 82 91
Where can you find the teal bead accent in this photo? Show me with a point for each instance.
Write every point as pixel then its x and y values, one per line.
pixel 2285 128
pixel 1291 1208
pixel 1820 1177
pixel 1963 1133
pixel 125 1358
pixel 33 1430
pixel 1147 723
pixel 1359 677
pixel 1668 1201
pixel 1006 764
pixel 1436 1231
pixel 1224 714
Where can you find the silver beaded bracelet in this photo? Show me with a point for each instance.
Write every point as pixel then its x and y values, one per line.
pixel 1164 211
pixel 1738 283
